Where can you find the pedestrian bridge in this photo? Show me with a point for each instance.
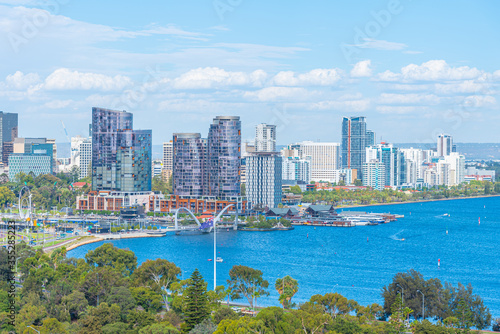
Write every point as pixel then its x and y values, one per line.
pixel 190 228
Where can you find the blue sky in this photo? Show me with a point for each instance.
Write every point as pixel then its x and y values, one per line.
pixel 413 68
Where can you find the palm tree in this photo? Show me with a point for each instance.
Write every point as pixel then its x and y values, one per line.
pixel 287 287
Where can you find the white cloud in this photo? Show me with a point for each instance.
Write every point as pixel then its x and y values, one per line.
pixel 65 79
pixel 20 81
pixel 428 99
pixel 316 77
pixel 58 104
pixel 477 101
pixel 279 94
pixel 362 69
pixel 352 105
pixel 213 77
pixel 400 109
pixel 464 87
pixel 433 70
pixel 371 43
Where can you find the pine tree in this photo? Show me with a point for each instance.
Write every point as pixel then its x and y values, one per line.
pixel 197 308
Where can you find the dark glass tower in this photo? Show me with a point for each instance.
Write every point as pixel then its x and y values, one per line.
pixel 8 132
pixel 121 157
pixel 189 161
pixel 224 157
pixel 355 139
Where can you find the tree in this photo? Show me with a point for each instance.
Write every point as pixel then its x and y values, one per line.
pixel 399 313
pixel 334 304
pixel 159 274
pixel 76 304
pixel 224 313
pixel 496 325
pixel 160 328
pixel 99 316
pixel 107 255
pixel 287 287
pixel 358 182
pixel 295 190
pixel 204 327
pixel 197 308
pixel 468 308
pixel 248 282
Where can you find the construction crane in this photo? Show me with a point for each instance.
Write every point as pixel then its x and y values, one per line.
pixel 65 131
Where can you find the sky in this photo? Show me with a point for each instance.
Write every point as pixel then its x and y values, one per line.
pixel 413 68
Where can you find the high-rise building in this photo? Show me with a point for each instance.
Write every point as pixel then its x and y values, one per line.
pixel 444 145
pixel 393 160
pixel 24 145
pixel 296 169
pixel 324 158
pixel 355 139
pixel 8 132
pixel 168 155
pixel 189 164
pixel 121 156
pixel 265 138
pixel 81 154
pixel 37 161
pixel 224 157
pixel 374 174
pixel 264 179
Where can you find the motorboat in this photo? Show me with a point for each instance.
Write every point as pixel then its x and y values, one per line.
pixel 219 259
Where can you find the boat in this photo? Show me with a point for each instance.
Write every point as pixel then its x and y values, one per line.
pixel 209 259
pixel 219 259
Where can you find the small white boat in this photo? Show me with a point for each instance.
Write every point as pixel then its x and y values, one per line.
pixel 219 259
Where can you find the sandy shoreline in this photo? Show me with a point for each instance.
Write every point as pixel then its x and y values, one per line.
pixel 412 202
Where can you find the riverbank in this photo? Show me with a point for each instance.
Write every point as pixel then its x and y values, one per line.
pixel 414 202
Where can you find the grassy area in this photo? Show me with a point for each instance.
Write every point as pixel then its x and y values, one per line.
pixel 75 240
pixel 55 242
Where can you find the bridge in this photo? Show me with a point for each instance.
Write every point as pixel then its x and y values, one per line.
pixel 206 229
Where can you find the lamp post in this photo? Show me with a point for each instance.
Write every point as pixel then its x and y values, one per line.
pixel 215 252
pixel 423 304
pixel 402 293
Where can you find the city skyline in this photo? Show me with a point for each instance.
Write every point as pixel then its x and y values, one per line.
pixel 179 69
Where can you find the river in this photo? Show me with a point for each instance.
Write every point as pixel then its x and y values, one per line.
pixel 356 262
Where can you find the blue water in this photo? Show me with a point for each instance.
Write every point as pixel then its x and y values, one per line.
pixel 356 262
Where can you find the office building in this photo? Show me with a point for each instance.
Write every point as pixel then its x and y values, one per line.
pixel 296 169
pixel 393 160
pixel 374 175
pixel 444 145
pixel 264 179
pixel 168 155
pixel 39 162
pixel 121 156
pixel 355 139
pixel 189 164
pixel 265 138
pixel 81 154
pixel 8 132
pixel 324 158
pixel 224 157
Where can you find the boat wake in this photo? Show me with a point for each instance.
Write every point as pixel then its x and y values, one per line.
pixel 397 236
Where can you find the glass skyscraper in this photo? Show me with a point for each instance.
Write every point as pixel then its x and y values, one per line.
pixel 189 164
pixel 224 157
pixel 355 139
pixel 121 156
pixel 8 132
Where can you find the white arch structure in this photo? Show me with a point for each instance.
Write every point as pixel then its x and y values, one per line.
pixel 188 211
pixel 27 213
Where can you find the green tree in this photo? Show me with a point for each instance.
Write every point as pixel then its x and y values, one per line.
pixel 159 274
pixel 248 282
pixel 295 190
pixel 160 328
pixel 197 308
pixel 358 182
pixel 107 255
pixel 204 327
pixel 287 287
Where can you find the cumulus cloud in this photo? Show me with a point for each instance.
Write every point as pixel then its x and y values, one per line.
pixel 65 79
pixel 388 98
pixel 19 80
pixel 433 70
pixel 477 101
pixel 349 105
pixel 213 77
pixel 362 69
pixel 316 77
